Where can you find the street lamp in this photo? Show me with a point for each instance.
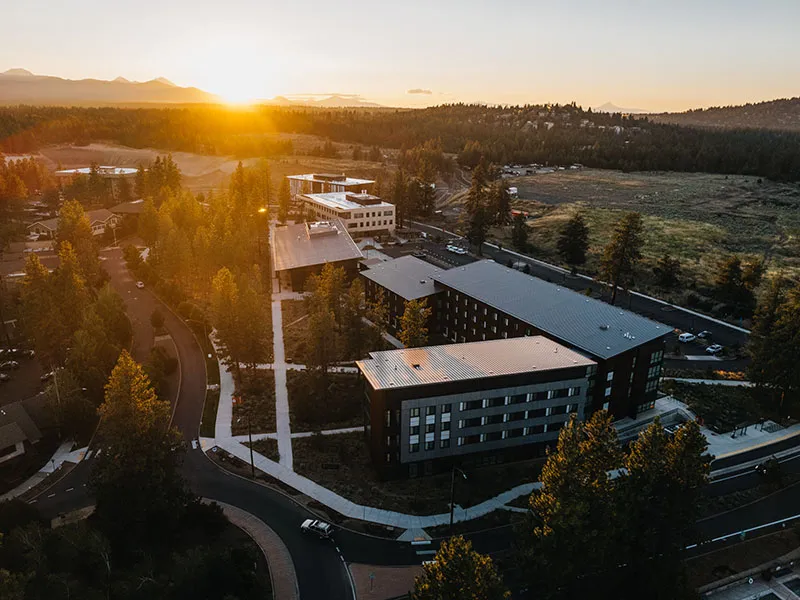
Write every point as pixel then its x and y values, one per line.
pixel 452 490
pixel 250 439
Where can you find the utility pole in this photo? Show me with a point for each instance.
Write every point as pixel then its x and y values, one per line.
pixel 250 438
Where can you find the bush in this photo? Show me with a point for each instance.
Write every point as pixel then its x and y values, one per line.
pixel 157 319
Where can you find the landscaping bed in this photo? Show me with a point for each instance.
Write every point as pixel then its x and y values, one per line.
pixel 721 407
pixel 492 520
pixel 295 330
pixel 255 394
pixel 341 463
pixel 334 403
pixel 268 448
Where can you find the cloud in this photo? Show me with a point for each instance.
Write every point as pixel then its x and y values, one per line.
pixel 420 91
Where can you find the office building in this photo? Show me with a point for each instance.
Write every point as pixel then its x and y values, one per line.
pixel 323 183
pixel 362 214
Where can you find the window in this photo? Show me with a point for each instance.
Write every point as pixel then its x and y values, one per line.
pixel 505 322
pixel 518 399
pixel 610 376
pixel 608 391
pixel 492 420
pixel 430 428
pixel 535 414
pixel 473 422
pixel 446 426
pixel 388 440
pixel 534 430
pixel 656 357
pixel 540 396
pixel 414 430
pixel 445 443
pixel 516 416
pixel 654 372
pixel 574 391
pixel 388 457
pixel 445 408
pixel 413 448
pixel 430 410
pixel 555 426
pixel 651 386
pixel 388 418
pixel 605 406
pixel 559 410
pixel 414 412
pixel 562 393
pixel 591 370
pixel 494 436
pixel 430 445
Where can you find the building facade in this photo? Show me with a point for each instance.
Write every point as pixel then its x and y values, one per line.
pixel 401 280
pixel 363 214
pixel 323 183
pixel 470 404
pixel 100 220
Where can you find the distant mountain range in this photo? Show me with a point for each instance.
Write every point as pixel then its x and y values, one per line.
pixel 20 86
pixel 613 108
pixel 783 115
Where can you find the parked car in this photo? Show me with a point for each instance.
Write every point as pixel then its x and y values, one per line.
pixel 140 284
pixel 687 337
pixel 418 255
pixel 46 376
pixel 320 528
pixel 4 377
pixel 8 365
pixel 451 248
pixel 704 335
pixel 714 349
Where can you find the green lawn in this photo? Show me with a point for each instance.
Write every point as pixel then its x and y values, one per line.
pixel 267 448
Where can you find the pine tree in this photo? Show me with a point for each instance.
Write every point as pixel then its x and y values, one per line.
pixel 573 241
pixel 284 201
pixel 225 304
pixel 667 272
pixel 500 201
pixel 623 253
pixel 148 223
pixel 519 233
pixel 399 197
pixel 414 324
pixel 459 573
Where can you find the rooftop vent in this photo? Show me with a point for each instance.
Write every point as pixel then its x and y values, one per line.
pixel 417 366
pixel 422 281
pixel 604 327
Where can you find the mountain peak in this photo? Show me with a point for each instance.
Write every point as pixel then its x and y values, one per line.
pixel 121 79
pixel 165 81
pixel 18 73
pixel 608 107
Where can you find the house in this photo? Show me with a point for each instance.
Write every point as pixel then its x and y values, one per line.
pixel 17 431
pixel 402 280
pixel 363 214
pixel 470 404
pixel 323 183
pixel 304 249
pixel 100 220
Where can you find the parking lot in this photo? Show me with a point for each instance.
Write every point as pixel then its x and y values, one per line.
pixel 25 380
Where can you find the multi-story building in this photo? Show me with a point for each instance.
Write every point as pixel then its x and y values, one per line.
pixel 484 301
pixel 304 249
pixel 323 183
pixel 363 214
pixel 110 175
pixel 403 279
pixel 471 404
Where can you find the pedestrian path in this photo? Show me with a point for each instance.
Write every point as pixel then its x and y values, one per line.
pixel 64 453
pixel 728 382
pixel 284 429
pixel 281 568
pixel 300 434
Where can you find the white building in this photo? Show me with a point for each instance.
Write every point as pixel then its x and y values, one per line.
pixel 362 214
pixel 323 183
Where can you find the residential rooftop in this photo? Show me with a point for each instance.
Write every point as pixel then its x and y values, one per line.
pixel 407 276
pixel 310 244
pixel 134 207
pixel 591 325
pixel 100 215
pixel 103 171
pixel 348 200
pixel 330 178
pixel 392 369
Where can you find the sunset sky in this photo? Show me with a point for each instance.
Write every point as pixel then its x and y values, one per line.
pixel 644 54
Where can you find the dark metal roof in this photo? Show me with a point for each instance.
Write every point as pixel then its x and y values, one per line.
pixel 577 320
pixel 473 360
pixel 408 277
pixel 309 244
pixel 15 413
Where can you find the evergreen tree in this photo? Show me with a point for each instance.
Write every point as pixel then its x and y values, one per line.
pixel 353 327
pixel 519 233
pixel 284 201
pixel 623 253
pixel 148 223
pixel 399 198
pixel 667 272
pixel 414 324
pixel 459 573
pixel 573 241
pixel 225 303
pixel 500 202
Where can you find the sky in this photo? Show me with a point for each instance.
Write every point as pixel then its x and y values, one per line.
pixel 659 56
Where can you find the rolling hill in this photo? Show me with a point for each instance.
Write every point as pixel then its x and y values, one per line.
pixel 779 115
pixel 19 86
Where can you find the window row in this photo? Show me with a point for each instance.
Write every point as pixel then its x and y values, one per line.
pixel 569 392
pixel 366 224
pixel 522 415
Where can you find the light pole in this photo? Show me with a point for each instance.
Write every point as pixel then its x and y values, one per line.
pixel 250 440
pixel 114 229
pixel 452 490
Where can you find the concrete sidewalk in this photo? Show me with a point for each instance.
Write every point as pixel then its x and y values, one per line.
pixel 300 434
pixel 281 567
pixel 283 425
pixel 64 453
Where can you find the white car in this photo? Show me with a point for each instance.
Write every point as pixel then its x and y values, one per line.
pixel 451 248
pixel 687 337
pixel 320 528
pixel 714 349
pixel 140 284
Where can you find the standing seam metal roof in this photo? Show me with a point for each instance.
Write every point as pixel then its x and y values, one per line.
pixel 293 247
pixel 582 322
pixel 407 276
pixel 461 362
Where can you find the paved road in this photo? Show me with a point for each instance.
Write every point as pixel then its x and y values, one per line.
pixel 674 317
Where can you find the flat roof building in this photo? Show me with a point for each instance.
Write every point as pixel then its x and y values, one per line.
pixel 363 214
pixel 321 183
pixel 305 248
pixel 403 279
pixel 105 172
pixel 484 300
pixel 473 404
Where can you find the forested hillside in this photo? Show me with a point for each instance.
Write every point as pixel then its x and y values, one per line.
pixel 779 115
pixel 547 134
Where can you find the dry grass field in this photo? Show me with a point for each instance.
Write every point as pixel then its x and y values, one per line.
pixel 699 218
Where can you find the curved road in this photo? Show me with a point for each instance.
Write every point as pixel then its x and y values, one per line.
pixel 319 565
